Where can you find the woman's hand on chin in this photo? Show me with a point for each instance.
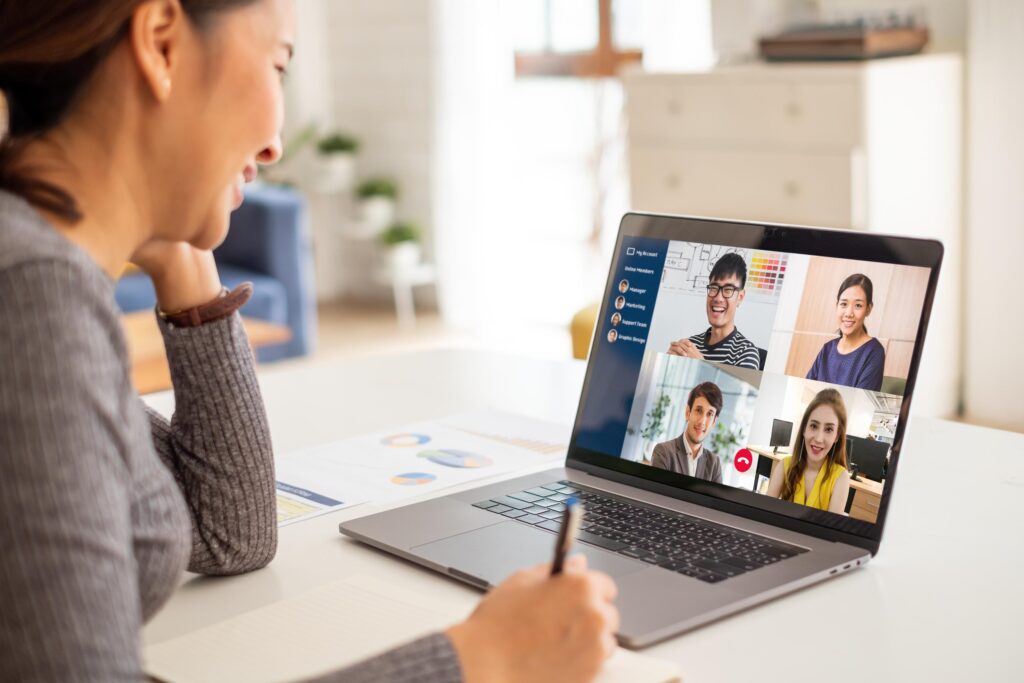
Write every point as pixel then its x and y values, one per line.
pixel 183 276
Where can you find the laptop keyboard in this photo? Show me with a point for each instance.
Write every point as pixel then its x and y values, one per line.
pixel 672 540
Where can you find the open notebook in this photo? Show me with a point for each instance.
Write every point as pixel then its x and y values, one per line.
pixel 315 632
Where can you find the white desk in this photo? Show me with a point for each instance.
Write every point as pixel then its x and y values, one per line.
pixel 943 600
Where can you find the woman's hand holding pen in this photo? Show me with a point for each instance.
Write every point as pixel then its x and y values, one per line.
pixel 536 627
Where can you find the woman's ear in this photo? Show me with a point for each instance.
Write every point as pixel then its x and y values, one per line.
pixel 157 28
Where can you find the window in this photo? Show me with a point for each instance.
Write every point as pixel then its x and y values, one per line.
pixel 582 38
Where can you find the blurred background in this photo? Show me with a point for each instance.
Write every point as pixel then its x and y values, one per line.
pixel 456 170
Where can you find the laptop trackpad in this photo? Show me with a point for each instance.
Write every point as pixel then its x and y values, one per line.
pixel 495 552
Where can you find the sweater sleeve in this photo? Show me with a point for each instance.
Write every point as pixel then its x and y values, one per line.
pixel 217 445
pixel 431 658
pixel 69 599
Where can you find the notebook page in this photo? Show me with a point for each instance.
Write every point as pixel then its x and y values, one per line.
pixel 328 628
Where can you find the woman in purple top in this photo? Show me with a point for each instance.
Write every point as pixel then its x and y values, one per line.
pixel 855 359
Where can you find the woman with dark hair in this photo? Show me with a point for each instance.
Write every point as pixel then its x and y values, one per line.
pixel 132 126
pixel 815 475
pixel 855 358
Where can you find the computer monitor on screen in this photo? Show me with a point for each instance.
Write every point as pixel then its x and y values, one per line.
pixel 867 456
pixel 782 432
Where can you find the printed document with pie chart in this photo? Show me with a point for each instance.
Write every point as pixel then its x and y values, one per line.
pixel 412 460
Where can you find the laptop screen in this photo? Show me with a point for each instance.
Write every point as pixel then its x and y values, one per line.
pixel 713 335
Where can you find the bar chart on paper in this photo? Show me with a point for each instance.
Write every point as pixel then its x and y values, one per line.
pixel 295 503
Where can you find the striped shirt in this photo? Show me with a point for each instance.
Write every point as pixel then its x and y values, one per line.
pixel 733 350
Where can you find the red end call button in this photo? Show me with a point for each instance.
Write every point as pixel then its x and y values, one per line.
pixel 743 460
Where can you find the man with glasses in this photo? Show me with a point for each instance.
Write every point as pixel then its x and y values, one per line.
pixel 722 342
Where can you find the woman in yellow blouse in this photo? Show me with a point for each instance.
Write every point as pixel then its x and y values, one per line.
pixel 815 475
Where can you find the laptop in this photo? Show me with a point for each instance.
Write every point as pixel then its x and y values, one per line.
pixel 710 333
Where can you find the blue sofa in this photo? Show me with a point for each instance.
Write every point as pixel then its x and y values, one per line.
pixel 269 245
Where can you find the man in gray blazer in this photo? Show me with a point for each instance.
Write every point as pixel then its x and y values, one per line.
pixel 686 453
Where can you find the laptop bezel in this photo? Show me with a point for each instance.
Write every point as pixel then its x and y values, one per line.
pixel 794 239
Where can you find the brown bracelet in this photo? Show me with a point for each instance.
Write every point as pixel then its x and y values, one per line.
pixel 224 305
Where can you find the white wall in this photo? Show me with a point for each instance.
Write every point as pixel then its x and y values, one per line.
pixel 382 90
pixel 307 103
pixel 513 183
pixel 497 169
pixel 995 223
pixel 787 312
pixel 366 67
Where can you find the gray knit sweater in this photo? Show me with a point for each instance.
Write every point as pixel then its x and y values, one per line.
pixel 104 503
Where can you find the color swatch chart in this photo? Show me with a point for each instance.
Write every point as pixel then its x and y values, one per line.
pixel 688 268
pixel 765 271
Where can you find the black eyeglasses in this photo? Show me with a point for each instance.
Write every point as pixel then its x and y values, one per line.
pixel 727 291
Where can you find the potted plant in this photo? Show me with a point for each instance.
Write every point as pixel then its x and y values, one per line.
pixel 376 204
pixel 402 242
pixel 654 425
pixel 724 441
pixel 336 161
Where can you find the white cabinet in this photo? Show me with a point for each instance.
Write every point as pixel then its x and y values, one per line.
pixel 870 146
pixel 777 186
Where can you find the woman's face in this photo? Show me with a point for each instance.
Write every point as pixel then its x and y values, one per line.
pixel 820 433
pixel 229 112
pixel 851 310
